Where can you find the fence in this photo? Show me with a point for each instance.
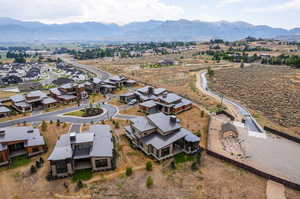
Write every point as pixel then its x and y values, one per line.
pixel 255 171
pixel 285 135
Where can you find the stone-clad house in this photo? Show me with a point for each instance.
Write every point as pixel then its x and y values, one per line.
pixel 18 141
pixel 161 136
pixel 87 150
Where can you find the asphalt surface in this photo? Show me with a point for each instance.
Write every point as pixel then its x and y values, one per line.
pixel 99 73
pixel 110 111
pixel 250 122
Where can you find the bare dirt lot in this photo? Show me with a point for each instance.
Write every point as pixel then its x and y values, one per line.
pixel 273 91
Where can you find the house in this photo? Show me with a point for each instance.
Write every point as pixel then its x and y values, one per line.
pixel 69 93
pixel 127 97
pixel 116 81
pixel 148 107
pixel 4 111
pixel 18 141
pixel 87 150
pixel 170 103
pixel 161 136
pixel 149 93
pixel 20 104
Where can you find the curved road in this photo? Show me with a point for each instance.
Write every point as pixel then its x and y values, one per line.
pixel 110 111
pixel 99 73
pixel 250 122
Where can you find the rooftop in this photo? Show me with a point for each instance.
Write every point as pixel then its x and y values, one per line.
pixel 163 122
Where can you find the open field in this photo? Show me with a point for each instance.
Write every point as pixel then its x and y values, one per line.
pixel 272 91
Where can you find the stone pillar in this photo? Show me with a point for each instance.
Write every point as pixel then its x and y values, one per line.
pixel 70 169
pixel 53 169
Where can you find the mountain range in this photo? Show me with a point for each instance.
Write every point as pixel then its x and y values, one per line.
pixel 12 30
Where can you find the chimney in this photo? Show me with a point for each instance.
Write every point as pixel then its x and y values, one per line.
pixel 173 119
pixel 150 90
pixel 2 132
pixel 72 136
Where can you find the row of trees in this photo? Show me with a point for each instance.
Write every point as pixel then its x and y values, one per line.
pixel 290 60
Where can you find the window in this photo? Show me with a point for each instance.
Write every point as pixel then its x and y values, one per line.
pixel 101 163
pixel 165 152
pixel 35 149
pixel 61 167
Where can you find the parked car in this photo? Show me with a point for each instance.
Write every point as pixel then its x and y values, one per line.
pixel 132 102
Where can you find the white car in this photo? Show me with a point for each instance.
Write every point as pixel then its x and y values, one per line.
pixel 132 102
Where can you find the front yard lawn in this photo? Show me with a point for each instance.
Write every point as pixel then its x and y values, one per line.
pixel 20 161
pixel 79 113
pixel 182 157
pixel 83 175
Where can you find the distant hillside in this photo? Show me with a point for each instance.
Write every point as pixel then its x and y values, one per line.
pixel 181 30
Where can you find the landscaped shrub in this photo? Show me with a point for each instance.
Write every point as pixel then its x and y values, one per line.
pixel 149 182
pixel 38 164
pixel 149 166
pixel 33 169
pixel 173 165
pixel 194 166
pixel 44 126
pixel 128 171
pixel 84 174
pixel 42 160
pixel 58 122
pixel 79 184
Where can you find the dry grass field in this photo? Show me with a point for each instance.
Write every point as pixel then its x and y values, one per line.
pixel 272 92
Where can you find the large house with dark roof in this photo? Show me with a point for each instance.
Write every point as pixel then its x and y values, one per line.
pixel 161 136
pixel 93 149
pixel 33 100
pixel 18 141
pixel 69 93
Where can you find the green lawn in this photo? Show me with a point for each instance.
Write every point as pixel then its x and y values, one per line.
pixel 79 113
pixel 83 175
pixel 20 161
pixel 182 157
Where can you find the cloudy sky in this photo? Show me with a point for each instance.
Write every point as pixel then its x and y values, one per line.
pixel 276 13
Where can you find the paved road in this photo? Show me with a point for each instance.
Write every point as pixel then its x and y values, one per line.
pixel 100 73
pixel 110 110
pixel 250 122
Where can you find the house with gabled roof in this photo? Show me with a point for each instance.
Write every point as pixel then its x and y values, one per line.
pixel 161 136
pixel 69 93
pixel 18 141
pixel 93 149
pixel 33 100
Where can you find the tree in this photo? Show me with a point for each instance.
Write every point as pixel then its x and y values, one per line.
pixel 173 165
pixel 242 64
pixel 44 126
pixel 79 184
pixel 149 182
pixel 149 166
pixel 42 160
pixel 194 166
pixel 38 164
pixel 58 122
pixel 128 171
pixel 210 72
pixel 33 169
